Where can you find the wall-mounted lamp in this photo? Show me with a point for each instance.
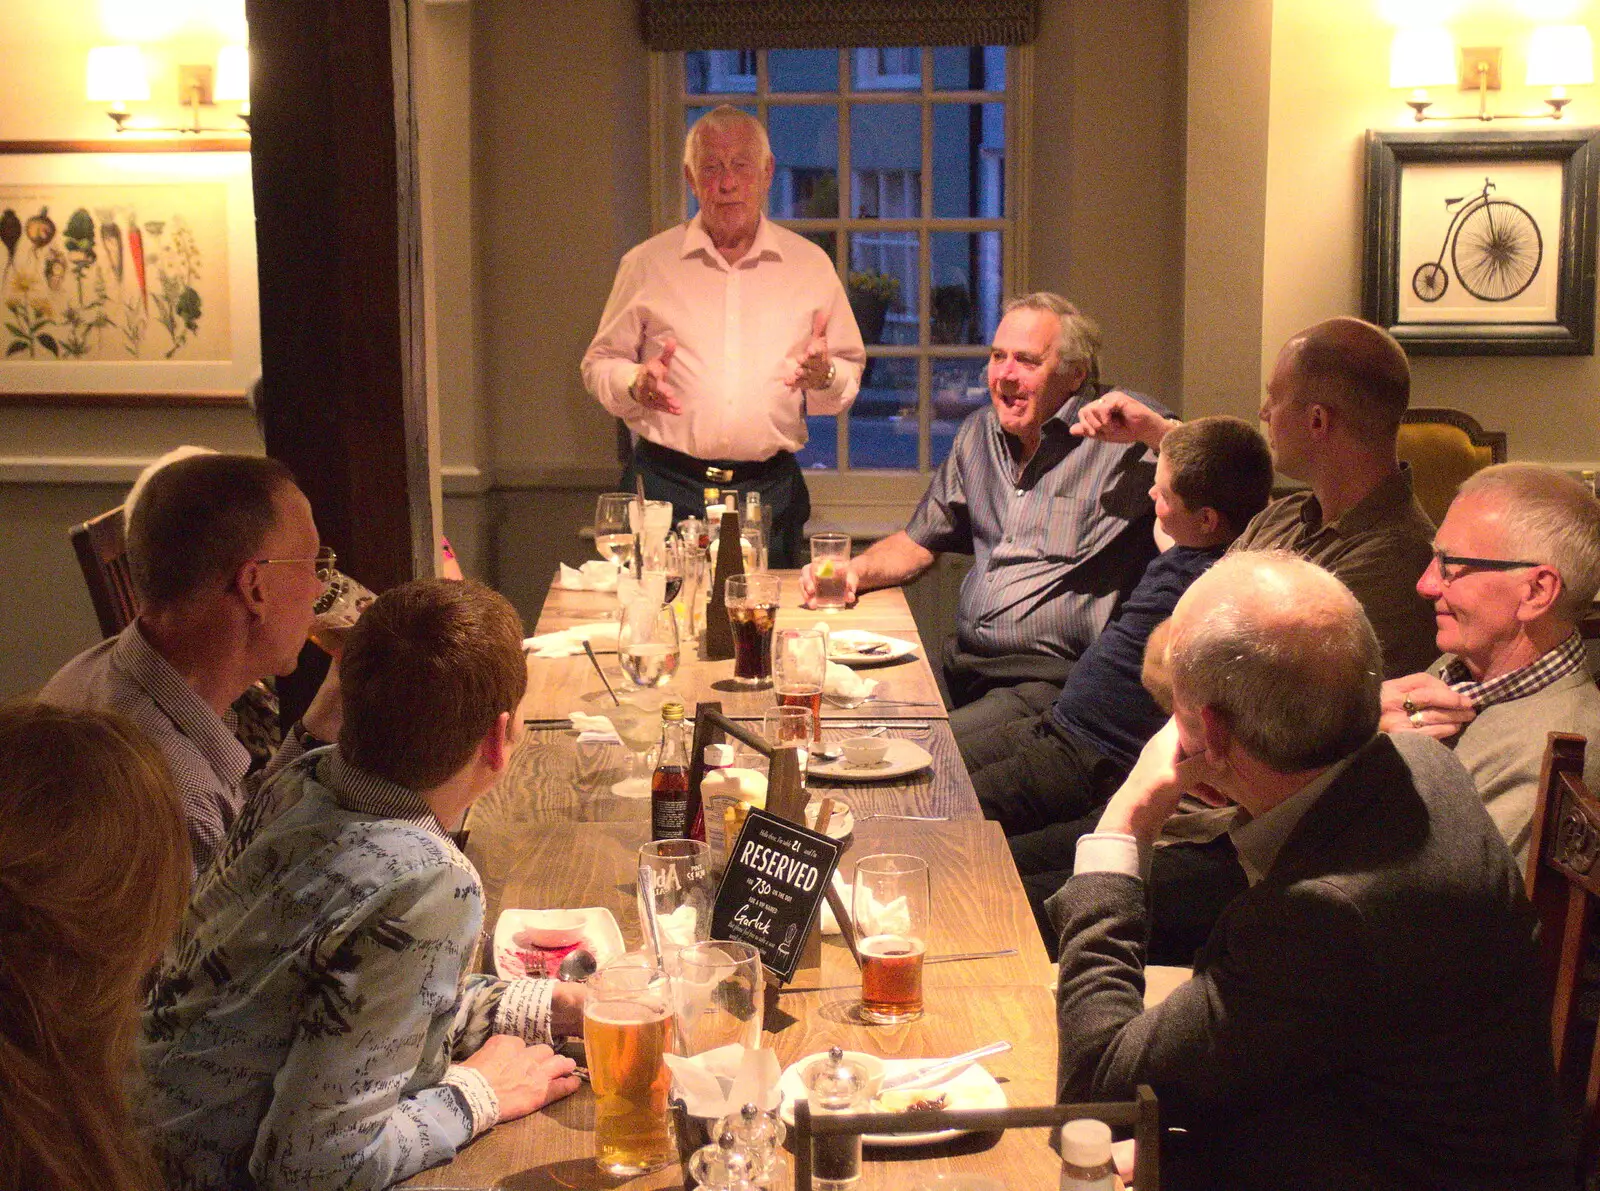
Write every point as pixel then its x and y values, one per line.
pixel 1559 56
pixel 117 75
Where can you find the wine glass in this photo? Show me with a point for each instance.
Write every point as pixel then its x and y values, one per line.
pixel 664 558
pixel 647 641
pixel 639 728
pixel 613 537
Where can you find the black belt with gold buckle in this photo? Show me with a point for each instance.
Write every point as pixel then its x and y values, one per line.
pixel 710 471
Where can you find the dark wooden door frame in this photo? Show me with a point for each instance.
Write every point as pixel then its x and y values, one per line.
pixel 338 239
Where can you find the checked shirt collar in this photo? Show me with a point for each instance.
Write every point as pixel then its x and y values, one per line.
pixel 1566 658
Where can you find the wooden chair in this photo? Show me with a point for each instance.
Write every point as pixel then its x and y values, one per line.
pixel 1141 1115
pixel 1444 447
pixel 103 554
pixel 1563 881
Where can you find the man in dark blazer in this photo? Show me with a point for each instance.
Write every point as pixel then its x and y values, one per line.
pixel 1367 1014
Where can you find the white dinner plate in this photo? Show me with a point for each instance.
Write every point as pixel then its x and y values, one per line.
pixel 601 936
pixel 902 757
pixel 974 1085
pixel 844 647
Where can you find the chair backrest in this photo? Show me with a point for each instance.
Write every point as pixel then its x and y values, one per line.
pixel 103 554
pixel 1444 447
pixel 1563 881
pixel 1141 1115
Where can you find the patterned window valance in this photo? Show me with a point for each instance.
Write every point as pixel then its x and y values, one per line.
pixel 817 24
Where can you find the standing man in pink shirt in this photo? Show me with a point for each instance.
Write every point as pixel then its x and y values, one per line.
pixel 721 334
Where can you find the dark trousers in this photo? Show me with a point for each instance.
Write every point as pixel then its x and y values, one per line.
pixel 1031 775
pixel 785 502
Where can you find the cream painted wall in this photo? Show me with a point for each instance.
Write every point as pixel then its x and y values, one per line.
pixel 1329 72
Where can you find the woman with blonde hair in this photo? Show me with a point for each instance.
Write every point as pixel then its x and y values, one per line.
pixel 94 872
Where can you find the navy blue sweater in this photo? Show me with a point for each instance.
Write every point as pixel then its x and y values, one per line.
pixel 1103 703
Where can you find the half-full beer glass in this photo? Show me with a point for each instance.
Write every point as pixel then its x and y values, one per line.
pixel 891 910
pixel 628 1031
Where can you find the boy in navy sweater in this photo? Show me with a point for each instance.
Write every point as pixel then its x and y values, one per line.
pixel 1042 774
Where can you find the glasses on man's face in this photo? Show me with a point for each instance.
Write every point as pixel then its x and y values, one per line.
pixel 323 562
pixel 1454 566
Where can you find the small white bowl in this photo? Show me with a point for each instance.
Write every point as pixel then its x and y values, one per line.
pixel 865 750
pixel 551 928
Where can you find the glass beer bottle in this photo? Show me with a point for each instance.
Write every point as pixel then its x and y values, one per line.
pixel 669 785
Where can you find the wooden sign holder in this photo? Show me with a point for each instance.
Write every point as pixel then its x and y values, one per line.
pixel 730 561
pixel 786 799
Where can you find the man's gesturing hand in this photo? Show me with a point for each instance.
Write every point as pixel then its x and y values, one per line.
pixel 524 1078
pixel 650 388
pixel 814 368
pixel 1116 417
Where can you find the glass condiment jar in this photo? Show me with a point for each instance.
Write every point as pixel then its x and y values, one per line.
pixel 760 1135
pixel 724 1165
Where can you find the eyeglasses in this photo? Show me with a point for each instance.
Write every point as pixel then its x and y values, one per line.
pixel 324 563
pixel 1462 564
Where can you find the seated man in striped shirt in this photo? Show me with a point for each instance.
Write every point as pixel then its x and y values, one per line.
pixel 316 1024
pixel 1039 774
pixel 1060 526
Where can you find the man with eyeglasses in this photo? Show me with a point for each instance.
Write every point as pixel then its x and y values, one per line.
pixel 1516 565
pixel 226 563
pixel 721 335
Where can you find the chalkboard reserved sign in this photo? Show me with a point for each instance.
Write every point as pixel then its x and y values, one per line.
pixel 776 881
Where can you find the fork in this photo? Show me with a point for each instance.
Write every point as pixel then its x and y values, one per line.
pixel 849 703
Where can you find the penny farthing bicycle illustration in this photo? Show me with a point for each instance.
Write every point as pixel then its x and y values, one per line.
pixel 1494 246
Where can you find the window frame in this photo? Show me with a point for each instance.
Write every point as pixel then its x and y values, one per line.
pixel 833 489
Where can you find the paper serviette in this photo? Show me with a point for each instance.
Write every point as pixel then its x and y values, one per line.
pixel 597 575
pixel 567 643
pixel 594 729
pixel 724 1080
pixel 846 683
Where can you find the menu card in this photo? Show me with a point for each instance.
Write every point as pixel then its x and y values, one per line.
pixel 777 877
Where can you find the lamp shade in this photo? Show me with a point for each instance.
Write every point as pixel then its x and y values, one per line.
pixel 233 74
pixel 1424 56
pixel 1560 55
pixel 116 74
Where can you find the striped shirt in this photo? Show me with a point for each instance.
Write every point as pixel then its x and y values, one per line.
pixel 1567 658
pixel 1057 544
pixel 128 675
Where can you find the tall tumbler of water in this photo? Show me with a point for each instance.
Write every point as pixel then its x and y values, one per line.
pixel 830 560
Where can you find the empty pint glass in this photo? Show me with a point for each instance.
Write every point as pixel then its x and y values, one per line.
pixel 752 611
pixel 628 1031
pixel 891 911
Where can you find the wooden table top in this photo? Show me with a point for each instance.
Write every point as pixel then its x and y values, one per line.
pixel 558 686
pixel 551 834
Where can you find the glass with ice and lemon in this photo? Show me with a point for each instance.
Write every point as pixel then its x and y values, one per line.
pixel 830 559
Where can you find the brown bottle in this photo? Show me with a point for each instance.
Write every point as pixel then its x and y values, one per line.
pixel 669 785
pixel 730 561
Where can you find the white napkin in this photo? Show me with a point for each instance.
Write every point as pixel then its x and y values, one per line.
pixel 568 643
pixel 596 575
pixel 594 729
pixel 846 683
pixel 724 1080
pixel 826 920
pixel 677 928
pixel 873 918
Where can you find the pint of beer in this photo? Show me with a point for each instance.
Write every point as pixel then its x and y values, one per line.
pixel 628 1031
pixel 891 909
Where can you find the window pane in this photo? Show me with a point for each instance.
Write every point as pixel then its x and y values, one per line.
pixel 959 387
pixel 964 294
pixel 690 115
pixel 883 420
pixel 886 68
pixel 805 141
pixel 969 68
pixel 883 285
pixel 803 70
pixel 969 154
pixel 822 451
pixel 719 72
pixel 886 160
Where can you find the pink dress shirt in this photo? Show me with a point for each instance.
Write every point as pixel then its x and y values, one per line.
pixel 738 327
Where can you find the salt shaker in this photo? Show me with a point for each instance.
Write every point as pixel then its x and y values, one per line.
pixel 836 1084
pixel 760 1135
pixel 722 1166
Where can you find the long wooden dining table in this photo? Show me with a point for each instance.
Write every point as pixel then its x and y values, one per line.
pixel 551 834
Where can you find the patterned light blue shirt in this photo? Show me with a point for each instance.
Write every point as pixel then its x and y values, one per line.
pixel 300 1033
pixel 1057 544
